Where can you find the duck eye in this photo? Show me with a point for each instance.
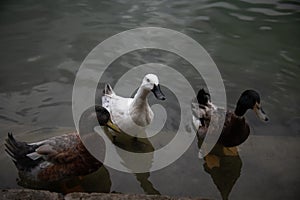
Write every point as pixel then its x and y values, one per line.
pixel 148 80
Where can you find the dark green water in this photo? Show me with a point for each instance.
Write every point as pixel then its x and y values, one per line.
pixel 255 44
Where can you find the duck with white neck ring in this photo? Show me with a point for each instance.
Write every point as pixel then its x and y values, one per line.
pixel 132 115
pixel 236 130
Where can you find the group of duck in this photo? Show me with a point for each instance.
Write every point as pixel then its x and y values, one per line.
pixel 65 156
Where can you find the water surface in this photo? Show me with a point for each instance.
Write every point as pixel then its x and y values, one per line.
pixel 255 44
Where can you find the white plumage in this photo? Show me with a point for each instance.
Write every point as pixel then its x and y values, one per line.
pixel 132 115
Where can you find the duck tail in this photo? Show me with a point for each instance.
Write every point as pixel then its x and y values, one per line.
pixel 108 90
pixel 18 152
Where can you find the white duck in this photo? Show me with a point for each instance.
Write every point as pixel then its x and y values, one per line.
pixel 132 115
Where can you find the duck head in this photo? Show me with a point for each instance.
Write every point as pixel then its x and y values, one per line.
pixel 151 83
pixel 203 97
pixel 250 99
pixel 95 116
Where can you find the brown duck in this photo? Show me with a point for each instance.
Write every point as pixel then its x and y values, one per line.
pixel 62 156
pixel 236 130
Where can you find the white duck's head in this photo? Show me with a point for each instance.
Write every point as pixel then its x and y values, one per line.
pixel 151 83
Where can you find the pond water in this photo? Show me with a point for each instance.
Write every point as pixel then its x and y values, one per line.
pixel 255 44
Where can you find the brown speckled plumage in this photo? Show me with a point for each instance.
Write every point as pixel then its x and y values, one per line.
pixel 235 130
pixel 59 157
pixel 62 156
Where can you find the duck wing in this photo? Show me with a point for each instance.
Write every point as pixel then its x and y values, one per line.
pixel 60 149
pixel 117 106
pixel 68 156
pixel 108 94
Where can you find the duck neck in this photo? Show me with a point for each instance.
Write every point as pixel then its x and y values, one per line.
pixel 140 99
pixel 240 111
pixel 244 103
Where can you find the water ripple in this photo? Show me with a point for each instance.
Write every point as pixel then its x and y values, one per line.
pixel 220 5
pixel 268 12
pixel 68 103
pixel 243 17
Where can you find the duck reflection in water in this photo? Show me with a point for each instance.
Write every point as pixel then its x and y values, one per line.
pixel 62 163
pixel 223 163
pixel 224 166
pixel 125 142
pixel 141 145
